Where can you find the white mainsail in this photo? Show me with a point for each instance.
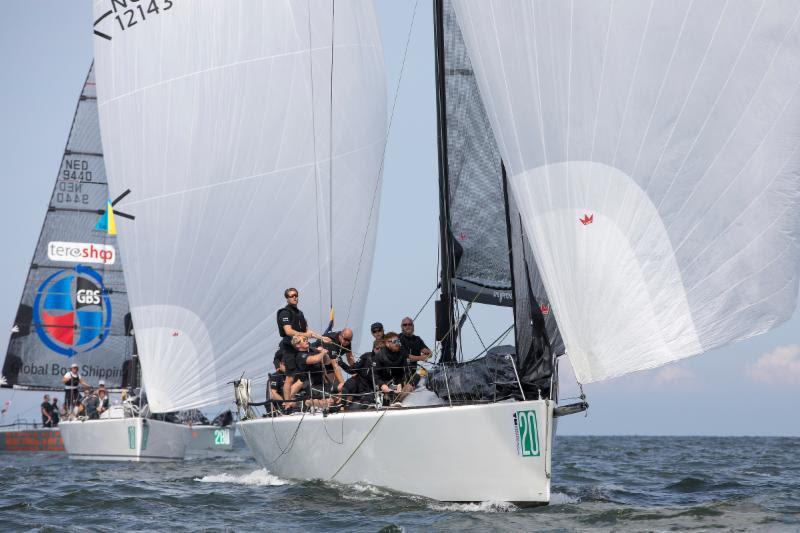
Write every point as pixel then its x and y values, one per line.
pixel 248 175
pixel 652 148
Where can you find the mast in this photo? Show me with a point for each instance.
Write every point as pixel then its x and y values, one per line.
pixel 445 305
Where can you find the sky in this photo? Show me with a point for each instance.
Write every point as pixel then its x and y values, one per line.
pixel 749 388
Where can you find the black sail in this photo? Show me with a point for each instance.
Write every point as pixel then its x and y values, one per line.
pixel 476 212
pixel 489 258
pixel 74 307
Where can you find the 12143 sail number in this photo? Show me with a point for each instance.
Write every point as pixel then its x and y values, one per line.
pixel 131 12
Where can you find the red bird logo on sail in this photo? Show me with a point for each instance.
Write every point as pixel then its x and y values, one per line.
pixel 545 309
pixel 587 219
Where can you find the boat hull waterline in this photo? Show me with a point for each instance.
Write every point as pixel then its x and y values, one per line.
pixel 125 439
pixel 494 452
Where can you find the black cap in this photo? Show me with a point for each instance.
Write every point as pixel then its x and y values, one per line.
pixel 376 326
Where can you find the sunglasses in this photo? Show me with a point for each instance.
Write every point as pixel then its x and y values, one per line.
pixel 407 324
pixel 396 342
pixel 377 330
pixel 293 296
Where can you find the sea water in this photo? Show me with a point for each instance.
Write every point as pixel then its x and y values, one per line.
pixel 599 483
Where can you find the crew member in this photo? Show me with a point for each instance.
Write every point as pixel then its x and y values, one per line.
pixel 414 349
pixel 339 348
pixel 364 379
pixel 47 412
pixel 91 404
pixel 291 323
pixel 276 381
pixel 72 380
pixel 56 412
pixel 102 397
pixel 310 369
pixel 391 366
pixel 377 330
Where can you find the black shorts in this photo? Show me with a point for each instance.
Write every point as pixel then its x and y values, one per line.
pixel 289 361
pixel 356 386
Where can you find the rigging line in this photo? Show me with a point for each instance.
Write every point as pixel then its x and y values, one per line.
pixel 314 143
pixel 330 161
pixel 365 436
pixel 497 340
pixel 383 159
pixel 475 329
pixel 426 302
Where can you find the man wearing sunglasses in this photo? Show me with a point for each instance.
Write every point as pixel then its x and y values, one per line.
pixel 391 366
pixel 377 331
pixel 414 349
pixel 291 323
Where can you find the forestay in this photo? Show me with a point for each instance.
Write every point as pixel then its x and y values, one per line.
pixel 220 124
pixel 651 148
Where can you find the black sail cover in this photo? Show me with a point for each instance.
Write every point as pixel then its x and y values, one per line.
pixel 74 306
pixel 493 261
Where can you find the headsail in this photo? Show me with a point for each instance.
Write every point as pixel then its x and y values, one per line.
pixel 216 119
pixel 74 306
pixel 652 149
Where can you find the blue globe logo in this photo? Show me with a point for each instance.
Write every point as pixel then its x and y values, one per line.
pixel 72 311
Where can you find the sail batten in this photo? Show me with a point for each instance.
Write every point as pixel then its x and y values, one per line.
pixel 652 152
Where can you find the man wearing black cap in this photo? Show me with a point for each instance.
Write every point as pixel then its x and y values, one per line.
pixel 377 330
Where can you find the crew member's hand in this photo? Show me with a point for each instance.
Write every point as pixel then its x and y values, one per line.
pixel 325 339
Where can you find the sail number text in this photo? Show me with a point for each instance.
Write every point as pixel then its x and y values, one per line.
pixel 69 188
pixel 527 433
pixel 129 13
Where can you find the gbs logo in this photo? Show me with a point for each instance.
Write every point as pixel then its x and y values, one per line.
pixel 72 311
pixel 88 297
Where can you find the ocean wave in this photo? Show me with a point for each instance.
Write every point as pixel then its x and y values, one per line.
pixel 559 498
pixel 259 477
pixel 480 507
pixel 362 492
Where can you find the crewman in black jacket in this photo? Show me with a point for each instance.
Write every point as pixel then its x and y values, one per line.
pixel 292 322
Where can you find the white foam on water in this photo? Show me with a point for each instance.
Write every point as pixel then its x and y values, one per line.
pixel 559 498
pixel 362 492
pixel 481 507
pixel 260 478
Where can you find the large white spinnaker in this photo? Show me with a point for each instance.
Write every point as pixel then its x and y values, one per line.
pixel 652 148
pixel 210 117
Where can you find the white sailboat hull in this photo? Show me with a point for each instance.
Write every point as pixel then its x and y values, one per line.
pixel 464 453
pixel 124 439
pixel 210 438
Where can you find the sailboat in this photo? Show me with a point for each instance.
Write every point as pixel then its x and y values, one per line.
pixel 618 208
pixel 74 306
pixel 630 191
pixel 240 178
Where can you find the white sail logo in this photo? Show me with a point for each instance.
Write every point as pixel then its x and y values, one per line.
pixel 81 252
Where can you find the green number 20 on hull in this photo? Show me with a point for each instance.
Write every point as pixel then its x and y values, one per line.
pixel 527 433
